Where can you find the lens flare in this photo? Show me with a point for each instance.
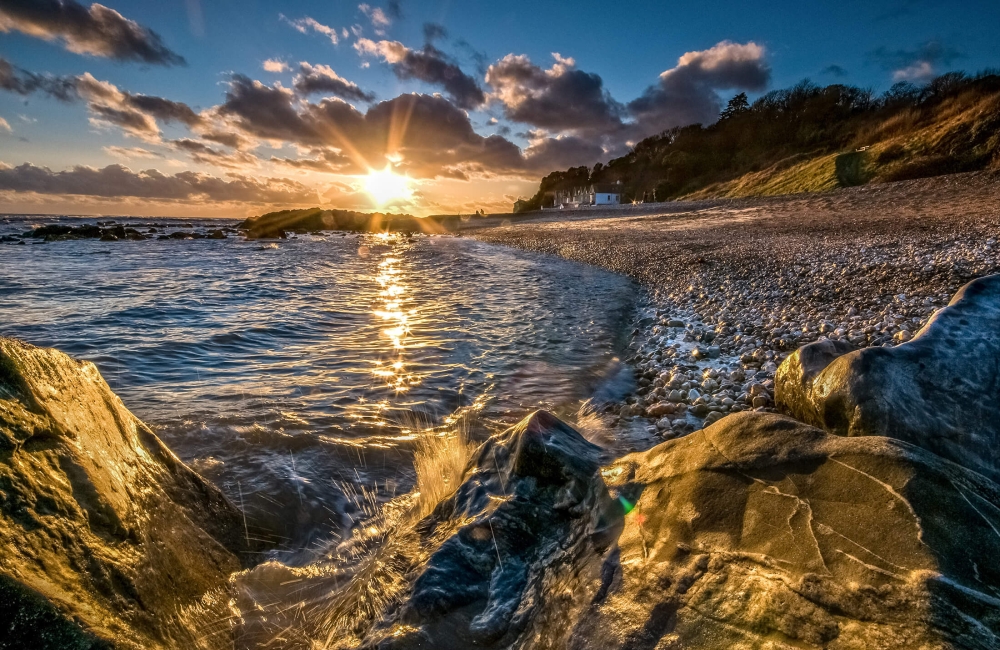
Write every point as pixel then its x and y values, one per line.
pixel 386 186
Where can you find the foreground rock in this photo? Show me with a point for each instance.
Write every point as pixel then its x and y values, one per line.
pixel 756 532
pixel 937 391
pixel 106 535
pixel 761 532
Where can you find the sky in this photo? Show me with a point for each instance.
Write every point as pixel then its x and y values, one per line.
pixel 236 107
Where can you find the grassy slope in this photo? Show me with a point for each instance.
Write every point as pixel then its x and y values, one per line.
pixel 810 140
pixel 962 134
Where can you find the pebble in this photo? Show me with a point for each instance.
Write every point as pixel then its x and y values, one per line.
pixel 734 310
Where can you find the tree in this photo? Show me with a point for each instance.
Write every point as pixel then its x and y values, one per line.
pixel 737 106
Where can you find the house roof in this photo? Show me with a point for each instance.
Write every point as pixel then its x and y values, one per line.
pixel 607 188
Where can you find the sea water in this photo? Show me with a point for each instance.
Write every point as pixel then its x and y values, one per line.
pixel 297 373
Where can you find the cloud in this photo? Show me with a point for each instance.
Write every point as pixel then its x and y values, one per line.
pixel 97 31
pixel 202 153
pixel 377 17
pixel 919 64
pixel 135 114
pixel 5 126
pixel 275 66
pixel 131 153
pixel 561 98
pixel 559 153
pixel 688 93
pixel 115 181
pixel 434 32
pixel 429 65
pixel 834 70
pixel 304 25
pixel 322 79
pixel 425 136
pixel 22 82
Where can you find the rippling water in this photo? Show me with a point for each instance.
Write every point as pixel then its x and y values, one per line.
pixel 292 372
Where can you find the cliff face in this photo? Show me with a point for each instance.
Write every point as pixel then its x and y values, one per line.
pixel 106 534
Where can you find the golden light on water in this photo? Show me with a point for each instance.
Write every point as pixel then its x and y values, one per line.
pixel 392 291
pixel 386 186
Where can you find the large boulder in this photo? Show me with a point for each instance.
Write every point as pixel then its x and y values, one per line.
pixel 938 391
pixel 762 532
pixel 106 535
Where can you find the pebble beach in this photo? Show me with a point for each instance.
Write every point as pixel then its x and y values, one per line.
pixel 736 285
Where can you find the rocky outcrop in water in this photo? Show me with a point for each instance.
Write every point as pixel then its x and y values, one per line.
pixel 106 535
pixel 937 391
pixel 274 224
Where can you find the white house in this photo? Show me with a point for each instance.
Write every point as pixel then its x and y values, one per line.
pixel 597 194
pixel 606 194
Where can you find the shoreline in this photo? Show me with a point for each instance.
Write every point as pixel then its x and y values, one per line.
pixel 737 285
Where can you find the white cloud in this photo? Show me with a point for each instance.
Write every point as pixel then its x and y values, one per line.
pixel 918 71
pixel 5 126
pixel 130 153
pixel 275 65
pixel 303 25
pixel 375 14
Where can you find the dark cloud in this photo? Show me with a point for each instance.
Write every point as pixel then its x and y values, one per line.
pixel 559 153
pixel 322 79
pixel 22 82
pixel 919 64
pixel 228 139
pixel 116 181
pixel 423 135
pixel 164 110
pixel 136 114
pixel 434 32
pixel 273 113
pixel 202 153
pixel 429 65
pixel 834 70
pixel 561 98
pixel 688 93
pixel 395 9
pixel 97 30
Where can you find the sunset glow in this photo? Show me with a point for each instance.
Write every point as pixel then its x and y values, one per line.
pixel 387 186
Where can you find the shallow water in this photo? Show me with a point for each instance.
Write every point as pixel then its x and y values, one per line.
pixel 293 372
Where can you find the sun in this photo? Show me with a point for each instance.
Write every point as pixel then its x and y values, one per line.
pixel 387 186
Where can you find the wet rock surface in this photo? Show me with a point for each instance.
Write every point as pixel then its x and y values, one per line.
pixel 755 532
pixel 536 522
pixel 936 391
pixel 760 531
pixel 106 534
